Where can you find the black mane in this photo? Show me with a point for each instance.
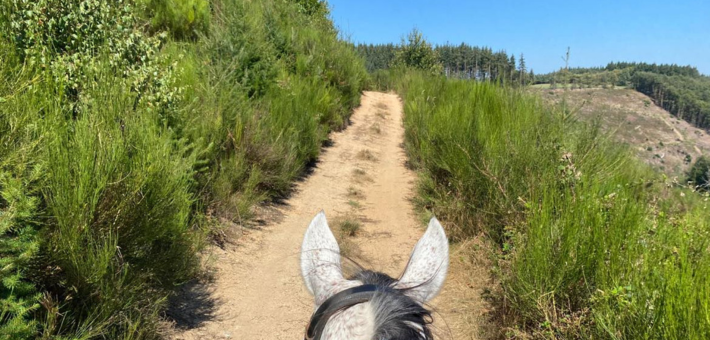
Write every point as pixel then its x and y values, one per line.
pixel 397 316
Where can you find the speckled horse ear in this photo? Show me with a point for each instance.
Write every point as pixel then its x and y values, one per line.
pixel 426 270
pixel 320 258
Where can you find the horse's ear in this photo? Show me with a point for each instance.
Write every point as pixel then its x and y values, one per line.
pixel 320 258
pixel 426 270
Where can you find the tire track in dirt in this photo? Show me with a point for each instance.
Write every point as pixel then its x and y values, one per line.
pixel 257 291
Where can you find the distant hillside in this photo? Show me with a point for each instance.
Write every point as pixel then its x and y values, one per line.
pixel 658 138
pixel 681 90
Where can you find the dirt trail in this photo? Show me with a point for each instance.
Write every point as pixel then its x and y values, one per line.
pixel 257 291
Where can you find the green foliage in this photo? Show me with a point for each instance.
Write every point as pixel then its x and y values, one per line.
pixel 184 19
pixel 457 61
pixel 267 99
pixel 664 69
pixel 699 173
pixel 590 246
pixel 19 207
pixel 466 149
pixel 619 73
pixel 65 37
pixel 120 149
pixel 313 7
pixel 685 97
pixel 120 186
pixel 18 244
pixel 39 28
pixel 417 53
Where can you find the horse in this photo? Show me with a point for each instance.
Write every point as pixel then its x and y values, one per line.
pixel 371 305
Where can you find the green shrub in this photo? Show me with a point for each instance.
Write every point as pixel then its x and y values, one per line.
pixel 418 54
pixel 274 97
pixel 18 245
pixel 42 28
pixel 118 186
pixel 349 226
pixel 120 149
pixel 65 37
pixel 19 224
pixel 477 150
pixel 589 247
pixel 313 7
pixel 699 173
pixel 113 233
pixel 184 19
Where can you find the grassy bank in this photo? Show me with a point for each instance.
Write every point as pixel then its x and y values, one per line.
pixel 591 244
pixel 130 131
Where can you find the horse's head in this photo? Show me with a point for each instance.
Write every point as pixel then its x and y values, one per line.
pixel 371 305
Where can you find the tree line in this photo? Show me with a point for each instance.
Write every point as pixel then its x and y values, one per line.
pixel 685 97
pixel 457 61
pixel 613 74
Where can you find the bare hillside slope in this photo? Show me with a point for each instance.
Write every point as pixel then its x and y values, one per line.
pixel 658 138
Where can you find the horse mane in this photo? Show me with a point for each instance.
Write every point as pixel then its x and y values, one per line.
pixel 397 316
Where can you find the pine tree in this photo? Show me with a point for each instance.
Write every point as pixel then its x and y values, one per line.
pixel 18 244
pixel 417 53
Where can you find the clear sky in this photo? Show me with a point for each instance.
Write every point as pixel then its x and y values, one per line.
pixel 597 32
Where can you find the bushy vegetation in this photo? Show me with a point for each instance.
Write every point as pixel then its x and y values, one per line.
pixel 129 129
pixel 19 207
pixel 699 173
pixel 416 53
pixel 591 243
pixel 184 19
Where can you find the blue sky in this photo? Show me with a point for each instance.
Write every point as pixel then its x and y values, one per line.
pixel 597 32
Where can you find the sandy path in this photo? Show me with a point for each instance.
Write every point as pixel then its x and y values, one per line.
pixel 257 291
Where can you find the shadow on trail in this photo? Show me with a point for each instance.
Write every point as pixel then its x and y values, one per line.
pixel 191 306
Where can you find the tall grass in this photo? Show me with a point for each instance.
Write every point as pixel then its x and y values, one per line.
pixel 123 146
pixel 272 83
pixel 591 243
